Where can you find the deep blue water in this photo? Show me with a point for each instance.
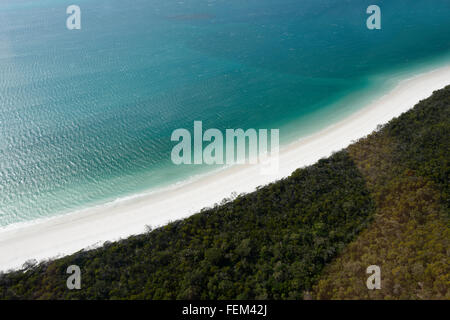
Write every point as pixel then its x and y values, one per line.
pixel 86 115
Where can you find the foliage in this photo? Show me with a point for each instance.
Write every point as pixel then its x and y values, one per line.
pixel 384 201
pixel 406 165
pixel 272 243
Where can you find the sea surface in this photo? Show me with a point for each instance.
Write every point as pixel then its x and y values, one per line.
pixel 86 115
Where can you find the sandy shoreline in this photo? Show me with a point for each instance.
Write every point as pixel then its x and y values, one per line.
pixel 69 233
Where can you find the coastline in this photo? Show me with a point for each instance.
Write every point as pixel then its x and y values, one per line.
pixel 69 233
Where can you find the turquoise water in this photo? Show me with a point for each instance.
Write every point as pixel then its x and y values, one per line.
pixel 86 115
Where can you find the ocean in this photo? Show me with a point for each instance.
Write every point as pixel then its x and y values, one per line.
pixel 86 116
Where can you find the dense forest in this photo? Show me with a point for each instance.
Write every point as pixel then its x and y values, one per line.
pixel 407 169
pixel 384 200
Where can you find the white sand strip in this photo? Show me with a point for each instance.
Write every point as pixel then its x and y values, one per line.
pixel 69 233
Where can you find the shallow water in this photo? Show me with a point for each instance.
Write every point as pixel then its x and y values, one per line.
pixel 86 115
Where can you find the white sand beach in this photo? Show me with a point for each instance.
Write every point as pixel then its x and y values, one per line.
pixel 69 233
